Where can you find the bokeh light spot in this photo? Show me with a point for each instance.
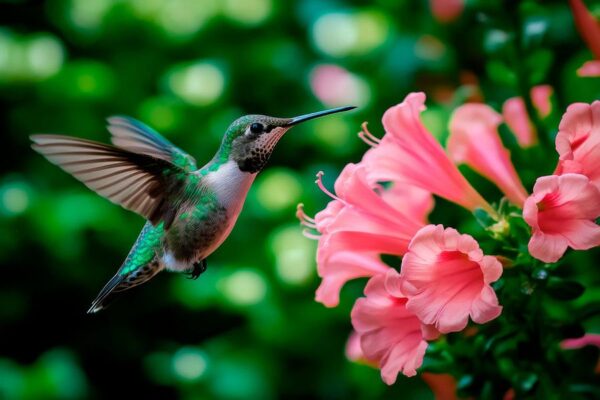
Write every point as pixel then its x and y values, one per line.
pixel 335 86
pixel 278 189
pixel 162 113
pixel 185 17
pixel 200 83
pixel 335 133
pixel 430 48
pixel 189 363
pixel 14 197
pixel 244 288
pixel 88 15
pixel 294 255
pixel 373 28
pixel 247 12
pixel 45 55
pixel 335 34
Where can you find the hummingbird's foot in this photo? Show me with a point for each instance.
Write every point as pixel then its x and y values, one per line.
pixel 198 269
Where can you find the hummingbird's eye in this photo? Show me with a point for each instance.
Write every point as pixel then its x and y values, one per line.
pixel 256 128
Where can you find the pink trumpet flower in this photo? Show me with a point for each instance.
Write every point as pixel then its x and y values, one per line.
pixel 474 141
pixel 587 25
pixel 360 222
pixel 390 334
pixel 446 278
pixel 561 212
pixel 409 154
pixel 578 141
pixel 541 98
pixel 517 119
pixel 589 339
pixel 589 29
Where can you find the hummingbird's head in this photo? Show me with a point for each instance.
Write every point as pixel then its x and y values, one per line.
pixel 250 140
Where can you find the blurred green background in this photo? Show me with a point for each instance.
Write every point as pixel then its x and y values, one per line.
pixel 249 327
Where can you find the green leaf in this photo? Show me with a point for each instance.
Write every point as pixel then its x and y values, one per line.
pixel 501 73
pixel 538 65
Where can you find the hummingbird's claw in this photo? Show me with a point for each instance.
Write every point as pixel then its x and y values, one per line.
pixel 198 269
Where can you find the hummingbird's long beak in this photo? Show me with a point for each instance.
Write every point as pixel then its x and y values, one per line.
pixel 306 117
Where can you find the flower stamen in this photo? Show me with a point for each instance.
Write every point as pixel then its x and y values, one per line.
pixel 319 183
pixel 304 219
pixel 367 136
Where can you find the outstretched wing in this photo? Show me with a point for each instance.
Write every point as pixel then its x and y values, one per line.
pixel 141 183
pixel 133 135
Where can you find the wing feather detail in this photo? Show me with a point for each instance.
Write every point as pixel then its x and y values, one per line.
pixel 132 135
pixel 135 181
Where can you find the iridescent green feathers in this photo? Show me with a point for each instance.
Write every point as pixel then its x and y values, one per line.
pixel 130 134
pixel 141 264
pixel 144 173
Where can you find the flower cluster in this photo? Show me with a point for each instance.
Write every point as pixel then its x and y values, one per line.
pixel 382 204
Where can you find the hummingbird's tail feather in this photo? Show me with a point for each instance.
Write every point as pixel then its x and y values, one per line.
pixel 122 282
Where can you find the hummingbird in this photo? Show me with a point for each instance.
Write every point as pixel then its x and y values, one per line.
pixel 190 211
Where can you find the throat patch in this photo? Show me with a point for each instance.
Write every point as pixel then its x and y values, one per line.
pixel 254 161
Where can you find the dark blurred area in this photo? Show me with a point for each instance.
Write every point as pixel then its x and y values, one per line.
pixel 249 327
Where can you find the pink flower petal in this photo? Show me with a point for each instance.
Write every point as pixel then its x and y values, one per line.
pixel 589 339
pixel 446 278
pixel 587 25
pixel 540 97
pixel 517 119
pixel 578 141
pixel 409 154
pixel 516 116
pixel 362 221
pixel 561 212
pixel 354 351
pixel 389 334
pixel 339 268
pixel 474 140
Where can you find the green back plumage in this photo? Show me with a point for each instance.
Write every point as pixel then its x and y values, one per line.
pixel 144 249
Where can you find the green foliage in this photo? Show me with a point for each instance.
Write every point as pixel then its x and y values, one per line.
pixel 249 328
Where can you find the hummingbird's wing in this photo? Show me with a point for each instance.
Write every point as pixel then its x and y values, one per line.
pixel 141 183
pixel 133 135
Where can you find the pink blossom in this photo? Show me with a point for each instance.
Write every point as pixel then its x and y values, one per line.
pixel 589 339
pixel 541 98
pixel 587 25
pixel 515 114
pixel 360 222
pixel 446 278
pixel 446 10
pixel 338 267
pixel 390 335
pixel 474 140
pixel 578 141
pixel 590 69
pixel 517 119
pixel 354 351
pixel 409 154
pixel 561 212
pixel 589 29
